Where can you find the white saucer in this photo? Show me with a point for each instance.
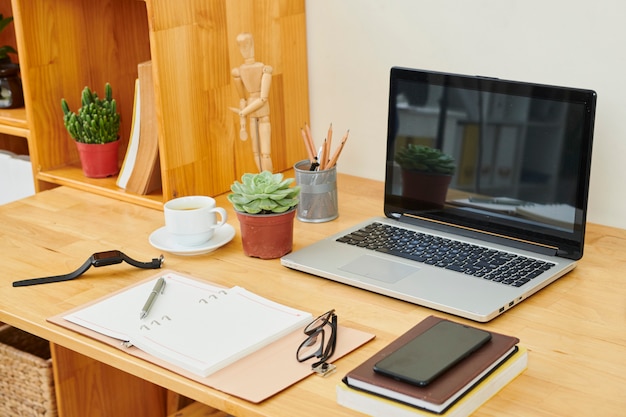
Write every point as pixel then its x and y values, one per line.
pixel 160 239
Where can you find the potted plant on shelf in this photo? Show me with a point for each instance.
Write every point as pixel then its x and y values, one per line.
pixel 11 93
pixel 265 205
pixel 95 128
pixel 426 174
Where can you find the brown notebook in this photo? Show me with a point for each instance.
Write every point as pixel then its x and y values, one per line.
pixel 448 387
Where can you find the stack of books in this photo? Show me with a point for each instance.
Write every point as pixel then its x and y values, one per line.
pixel 458 391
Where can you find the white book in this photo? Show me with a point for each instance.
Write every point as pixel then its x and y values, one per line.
pixel 195 325
pixel 133 142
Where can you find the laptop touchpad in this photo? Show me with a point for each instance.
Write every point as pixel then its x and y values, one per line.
pixel 379 269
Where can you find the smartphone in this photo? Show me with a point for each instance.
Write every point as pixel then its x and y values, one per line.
pixel 433 352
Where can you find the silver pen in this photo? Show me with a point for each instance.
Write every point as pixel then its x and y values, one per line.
pixel 159 287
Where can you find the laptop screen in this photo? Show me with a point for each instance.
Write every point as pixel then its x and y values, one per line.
pixel 500 157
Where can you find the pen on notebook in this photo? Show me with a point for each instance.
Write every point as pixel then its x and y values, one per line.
pixel 159 287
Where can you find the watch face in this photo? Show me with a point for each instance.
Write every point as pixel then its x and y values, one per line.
pixel 107 258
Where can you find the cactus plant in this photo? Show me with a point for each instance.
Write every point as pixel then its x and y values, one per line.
pixel 425 159
pixel 263 193
pixel 96 121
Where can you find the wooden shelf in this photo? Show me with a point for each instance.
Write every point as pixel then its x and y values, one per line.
pixel 73 176
pixel 199 147
pixel 13 122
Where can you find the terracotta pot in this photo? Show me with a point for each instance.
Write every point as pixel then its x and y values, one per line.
pixel 429 190
pixel 266 236
pixel 99 160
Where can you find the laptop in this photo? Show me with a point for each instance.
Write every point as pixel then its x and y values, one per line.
pixel 506 221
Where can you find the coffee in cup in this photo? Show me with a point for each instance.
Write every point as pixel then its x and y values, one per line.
pixel 192 220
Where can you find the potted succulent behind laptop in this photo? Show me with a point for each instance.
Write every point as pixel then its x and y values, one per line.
pixel 95 128
pixel 426 174
pixel 265 205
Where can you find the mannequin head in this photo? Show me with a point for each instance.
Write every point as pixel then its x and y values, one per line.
pixel 246 45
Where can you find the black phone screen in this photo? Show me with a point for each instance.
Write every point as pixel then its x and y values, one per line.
pixel 433 352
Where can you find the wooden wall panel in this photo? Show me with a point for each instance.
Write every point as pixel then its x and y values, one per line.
pixel 193 51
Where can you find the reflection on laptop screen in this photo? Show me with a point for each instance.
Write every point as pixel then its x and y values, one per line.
pixel 517 155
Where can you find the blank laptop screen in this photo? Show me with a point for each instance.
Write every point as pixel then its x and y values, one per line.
pixel 520 155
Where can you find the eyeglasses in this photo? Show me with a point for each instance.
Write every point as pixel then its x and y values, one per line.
pixel 320 342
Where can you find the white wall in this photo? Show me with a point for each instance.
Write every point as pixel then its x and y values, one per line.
pixel 578 43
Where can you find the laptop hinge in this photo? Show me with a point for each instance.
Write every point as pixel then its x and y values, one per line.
pixel 482 235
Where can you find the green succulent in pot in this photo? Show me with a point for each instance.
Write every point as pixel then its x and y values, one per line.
pixel 96 121
pixel 425 159
pixel 264 193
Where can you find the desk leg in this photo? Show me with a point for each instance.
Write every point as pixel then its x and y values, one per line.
pixel 86 387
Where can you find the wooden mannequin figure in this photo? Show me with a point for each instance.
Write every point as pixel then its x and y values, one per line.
pixel 252 80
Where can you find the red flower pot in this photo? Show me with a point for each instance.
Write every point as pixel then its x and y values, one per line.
pixel 99 160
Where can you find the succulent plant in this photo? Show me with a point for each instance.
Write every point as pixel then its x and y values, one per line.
pixel 97 120
pixel 425 159
pixel 263 193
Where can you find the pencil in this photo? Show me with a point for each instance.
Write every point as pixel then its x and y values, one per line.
pixel 333 160
pixel 309 137
pixel 309 150
pixel 329 140
pixel 324 155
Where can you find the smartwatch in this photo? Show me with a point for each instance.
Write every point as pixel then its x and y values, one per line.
pixel 110 257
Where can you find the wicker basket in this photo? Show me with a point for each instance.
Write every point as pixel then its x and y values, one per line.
pixel 26 380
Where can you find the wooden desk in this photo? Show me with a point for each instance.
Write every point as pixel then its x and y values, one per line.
pixel 574 329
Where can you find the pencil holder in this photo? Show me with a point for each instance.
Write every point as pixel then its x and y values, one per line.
pixel 318 193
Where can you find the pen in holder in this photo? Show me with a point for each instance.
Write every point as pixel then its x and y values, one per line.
pixel 318 193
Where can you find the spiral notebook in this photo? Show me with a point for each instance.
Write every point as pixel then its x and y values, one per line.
pixel 195 325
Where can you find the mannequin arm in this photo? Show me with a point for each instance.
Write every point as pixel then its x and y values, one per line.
pixel 255 104
pixel 241 90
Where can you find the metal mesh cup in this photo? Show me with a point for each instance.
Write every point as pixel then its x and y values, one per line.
pixel 318 193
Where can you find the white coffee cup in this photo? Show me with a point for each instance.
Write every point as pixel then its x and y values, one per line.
pixel 191 220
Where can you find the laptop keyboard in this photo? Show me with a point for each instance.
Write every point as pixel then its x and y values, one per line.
pixel 491 264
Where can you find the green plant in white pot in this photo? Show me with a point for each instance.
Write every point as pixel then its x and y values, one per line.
pixel 95 128
pixel 265 205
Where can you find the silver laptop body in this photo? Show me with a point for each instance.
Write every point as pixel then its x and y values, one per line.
pixel 521 154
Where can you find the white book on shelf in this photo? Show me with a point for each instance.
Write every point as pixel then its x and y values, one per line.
pixel 133 142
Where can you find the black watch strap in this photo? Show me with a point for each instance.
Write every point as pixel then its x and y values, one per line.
pixel 96 260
